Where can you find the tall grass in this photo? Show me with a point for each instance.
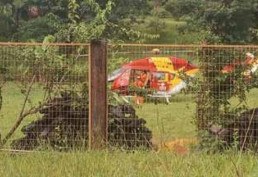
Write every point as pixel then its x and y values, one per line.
pixel 117 163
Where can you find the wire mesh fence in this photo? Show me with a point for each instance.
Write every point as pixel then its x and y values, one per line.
pixel 44 95
pixel 149 77
pixel 209 92
pixel 227 99
pixel 159 95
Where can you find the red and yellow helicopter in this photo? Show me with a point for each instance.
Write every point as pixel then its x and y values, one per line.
pixel 160 74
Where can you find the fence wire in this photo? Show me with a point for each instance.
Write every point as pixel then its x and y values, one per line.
pixel 227 99
pixel 175 93
pixel 157 110
pixel 159 95
pixel 44 89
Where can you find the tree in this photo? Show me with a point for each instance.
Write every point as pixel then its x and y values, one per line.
pixel 182 8
pixel 25 20
pixel 230 21
pixel 105 19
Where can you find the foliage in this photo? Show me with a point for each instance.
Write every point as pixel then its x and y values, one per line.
pixel 41 61
pixel 217 89
pixel 37 29
pixel 230 21
pixel 103 23
pixel 70 20
pixel 115 99
pixel 7 28
pixel 52 66
pixel 133 90
pixel 73 8
pixel 120 163
pixel 3 75
pixel 121 20
pixel 183 8
pixel 156 24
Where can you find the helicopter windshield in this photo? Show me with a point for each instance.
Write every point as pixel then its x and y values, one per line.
pixel 115 74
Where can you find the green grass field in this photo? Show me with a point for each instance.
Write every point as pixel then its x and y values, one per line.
pixel 167 122
pixel 133 164
pixel 170 31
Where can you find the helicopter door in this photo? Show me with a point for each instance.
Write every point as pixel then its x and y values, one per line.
pixel 158 81
pixel 140 78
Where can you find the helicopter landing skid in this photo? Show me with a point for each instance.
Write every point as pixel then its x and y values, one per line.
pixel 161 96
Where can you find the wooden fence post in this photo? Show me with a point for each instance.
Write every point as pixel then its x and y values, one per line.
pixel 98 113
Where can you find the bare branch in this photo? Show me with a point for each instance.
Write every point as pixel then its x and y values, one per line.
pixel 22 114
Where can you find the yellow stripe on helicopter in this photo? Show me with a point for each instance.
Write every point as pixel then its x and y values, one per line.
pixel 163 64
